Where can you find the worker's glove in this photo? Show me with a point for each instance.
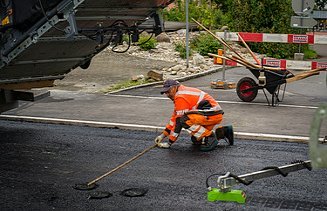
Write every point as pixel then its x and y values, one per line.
pixel 164 145
pixel 159 138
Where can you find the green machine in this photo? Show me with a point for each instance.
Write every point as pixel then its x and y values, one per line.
pixel 317 147
pixel 318 156
pixel 224 192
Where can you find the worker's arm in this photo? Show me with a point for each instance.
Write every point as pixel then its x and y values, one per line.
pixel 181 106
pixel 173 128
pixel 158 140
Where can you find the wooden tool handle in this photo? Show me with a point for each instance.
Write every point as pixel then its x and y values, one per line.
pixel 121 165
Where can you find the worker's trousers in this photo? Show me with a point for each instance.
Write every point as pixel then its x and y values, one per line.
pixel 199 125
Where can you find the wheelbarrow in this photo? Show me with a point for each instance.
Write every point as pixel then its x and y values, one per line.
pixel 270 80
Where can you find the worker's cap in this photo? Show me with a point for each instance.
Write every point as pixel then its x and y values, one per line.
pixel 168 84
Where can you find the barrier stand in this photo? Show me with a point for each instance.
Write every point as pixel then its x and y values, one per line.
pixel 221 84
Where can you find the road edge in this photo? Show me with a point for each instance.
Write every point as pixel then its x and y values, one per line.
pixel 180 79
pixel 238 135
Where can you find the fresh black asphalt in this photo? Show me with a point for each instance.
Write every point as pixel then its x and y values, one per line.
pixel 41 162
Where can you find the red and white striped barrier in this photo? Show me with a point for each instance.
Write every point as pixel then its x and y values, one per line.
pixel 287 64
pixel 310 38
pixel 278 38
pixel 291 64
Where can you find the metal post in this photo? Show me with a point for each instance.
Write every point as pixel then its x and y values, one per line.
pixel 224 61
pixel 187 34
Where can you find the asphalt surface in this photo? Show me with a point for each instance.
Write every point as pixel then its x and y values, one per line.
pixel 40 163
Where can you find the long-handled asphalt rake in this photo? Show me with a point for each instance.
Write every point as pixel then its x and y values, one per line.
pixel 92 184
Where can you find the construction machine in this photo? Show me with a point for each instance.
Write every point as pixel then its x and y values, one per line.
pixel 42 40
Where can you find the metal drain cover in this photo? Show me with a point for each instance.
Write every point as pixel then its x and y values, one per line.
pixel 84 186
pixel 134 192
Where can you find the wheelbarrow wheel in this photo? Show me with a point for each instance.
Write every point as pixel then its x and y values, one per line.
pixel 245 84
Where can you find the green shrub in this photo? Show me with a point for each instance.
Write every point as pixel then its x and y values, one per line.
pixel 243 16
pixel 205 44
pixel 209 16
pixel 275 50
pixel 146 43
pixel 173 15
pixel 126 38
pixel 181 48
pixel 282 50
pixel 310 54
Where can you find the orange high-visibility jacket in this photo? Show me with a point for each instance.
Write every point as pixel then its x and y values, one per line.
pixel 187 99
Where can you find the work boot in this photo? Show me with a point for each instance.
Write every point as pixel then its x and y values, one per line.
pixel 209 143
pixel 226 133
pixel 229 134
pixel 220 133
pixel 195 141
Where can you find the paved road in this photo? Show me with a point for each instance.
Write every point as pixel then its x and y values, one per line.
pixel 40 163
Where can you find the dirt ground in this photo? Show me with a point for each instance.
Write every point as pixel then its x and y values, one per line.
pixel 107 69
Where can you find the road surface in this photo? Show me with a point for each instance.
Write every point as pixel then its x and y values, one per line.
pixel 41 162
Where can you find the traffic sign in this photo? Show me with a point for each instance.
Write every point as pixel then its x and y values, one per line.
pixel 302 7
pixel 302 22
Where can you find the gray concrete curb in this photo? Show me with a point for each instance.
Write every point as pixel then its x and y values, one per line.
pixel 238 135
pixel 181 79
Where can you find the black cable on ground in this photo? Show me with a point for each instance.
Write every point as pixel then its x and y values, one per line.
pixel 207 180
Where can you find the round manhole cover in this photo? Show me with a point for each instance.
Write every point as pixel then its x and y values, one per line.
pixel 134 192
pixel 85 186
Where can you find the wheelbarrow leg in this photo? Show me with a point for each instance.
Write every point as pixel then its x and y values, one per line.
pixel 264 92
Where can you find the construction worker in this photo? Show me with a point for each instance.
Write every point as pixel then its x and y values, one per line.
pixel 197 112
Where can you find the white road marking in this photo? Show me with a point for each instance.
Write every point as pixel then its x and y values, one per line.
pixel 220 101
pixel 239 135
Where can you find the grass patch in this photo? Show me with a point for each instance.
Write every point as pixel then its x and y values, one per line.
pixel 147 43
pixel 181 48
pixel 310 54
pixel 123 85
